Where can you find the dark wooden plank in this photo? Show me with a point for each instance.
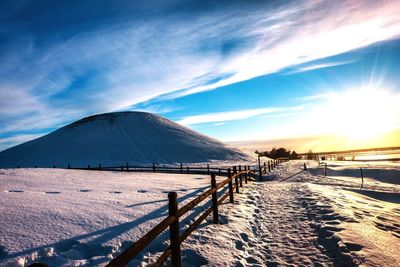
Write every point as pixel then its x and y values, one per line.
pixel 214 199
pixel 175 243
pixel 131 252
pixel 163 258
pixel 187 207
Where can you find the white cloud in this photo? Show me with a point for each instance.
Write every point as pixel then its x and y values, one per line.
pixel 232 115
pixel 311 98
pixel 319 66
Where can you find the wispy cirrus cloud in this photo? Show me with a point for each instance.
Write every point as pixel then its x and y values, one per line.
pixel 226 116
pixel 319 66
pixel 132 52
pixel 311 98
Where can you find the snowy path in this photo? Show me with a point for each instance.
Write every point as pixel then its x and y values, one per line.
pixel 282 227
pixel 301 224
pixel 276 224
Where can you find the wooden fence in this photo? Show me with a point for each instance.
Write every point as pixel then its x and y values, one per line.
pixel 235 178
pixel 158 168
pixel 221 170
pixel 269 165
pixel 234 182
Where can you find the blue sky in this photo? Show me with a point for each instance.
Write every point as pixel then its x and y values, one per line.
pixel 234 70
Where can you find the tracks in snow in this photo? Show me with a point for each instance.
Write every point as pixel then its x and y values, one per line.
pixel 275 224
pixel 291 227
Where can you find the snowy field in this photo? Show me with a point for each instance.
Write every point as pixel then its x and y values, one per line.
pixel 84 218
pixel 76 217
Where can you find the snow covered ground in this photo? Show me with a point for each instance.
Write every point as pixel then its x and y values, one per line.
pixel 73 218
pixel 77 217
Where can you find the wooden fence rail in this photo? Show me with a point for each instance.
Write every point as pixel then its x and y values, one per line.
pixel 172 220
pixel 221 171
pixel 154 168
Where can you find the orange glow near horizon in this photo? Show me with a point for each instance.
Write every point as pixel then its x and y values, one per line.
pixel 357 118
pixel 365 117
pixel 323 143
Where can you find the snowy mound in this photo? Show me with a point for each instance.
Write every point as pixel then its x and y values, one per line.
pixel 118 138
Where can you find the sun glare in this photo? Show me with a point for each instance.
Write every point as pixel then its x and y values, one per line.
pixel 362 114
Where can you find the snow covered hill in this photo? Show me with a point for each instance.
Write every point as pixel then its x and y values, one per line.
pixel 118 138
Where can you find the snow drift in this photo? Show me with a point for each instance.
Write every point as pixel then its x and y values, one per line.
pixel 118 138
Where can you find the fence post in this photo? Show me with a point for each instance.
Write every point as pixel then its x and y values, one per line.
pixel 362 177
pixel 236 179
pixel 208 168
pixel 187 169
pixel 305 167
pixel 181 168
pixel 230 186
pixel 127 166
pixel 174 230
pixel 265 168
pixel 269 166
pixel 214 199
pixel 240 177
pixel 154 167
pixel 246 174
pixel 260 171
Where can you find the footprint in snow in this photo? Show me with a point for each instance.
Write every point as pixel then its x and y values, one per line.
pixel 239 244
pixel 115 192
pixel 353 246
pixel 142 191
pixel 52 192
pixel 15 191
pixel 223 219
pixel 85 190
pixel 3 252
pixel 244 237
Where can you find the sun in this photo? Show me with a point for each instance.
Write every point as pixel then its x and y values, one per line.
pixel 362 114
